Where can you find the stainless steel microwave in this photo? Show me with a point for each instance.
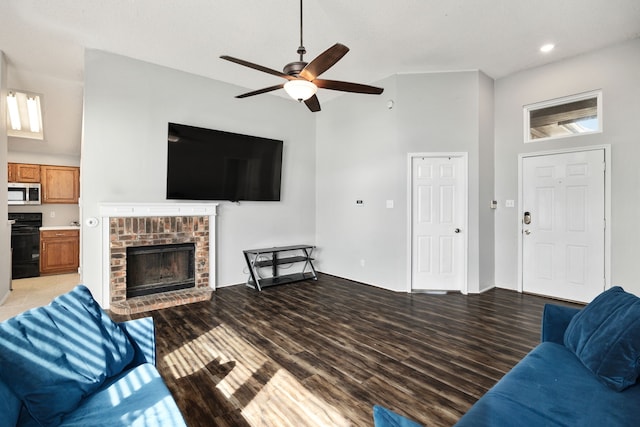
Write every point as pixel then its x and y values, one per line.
pixel 24 193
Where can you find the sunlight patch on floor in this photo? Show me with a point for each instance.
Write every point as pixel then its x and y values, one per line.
pixel 275 397
pixel 283 401
pixel 219 345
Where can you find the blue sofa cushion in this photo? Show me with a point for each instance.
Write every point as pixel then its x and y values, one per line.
pixel 605 336
pixel 551 387
pixel 137 397
pixel 383 417
pixel 9 405
pixel 54 356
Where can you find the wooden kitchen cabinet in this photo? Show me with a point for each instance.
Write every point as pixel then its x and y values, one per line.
pixel 23 172
pixel 60 184
pixel 59 251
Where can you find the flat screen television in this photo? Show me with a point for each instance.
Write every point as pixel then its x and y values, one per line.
pixel 206 164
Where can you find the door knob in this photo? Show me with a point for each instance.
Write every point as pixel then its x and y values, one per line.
pixel 527 232
pixel 457 230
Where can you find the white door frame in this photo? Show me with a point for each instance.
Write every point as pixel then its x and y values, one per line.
pixel 465 184
pixel 607 205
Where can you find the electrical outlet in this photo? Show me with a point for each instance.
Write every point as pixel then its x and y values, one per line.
pixel 362 263
pixel 52 214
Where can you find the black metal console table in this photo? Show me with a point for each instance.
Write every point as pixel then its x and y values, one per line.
pixel 273 257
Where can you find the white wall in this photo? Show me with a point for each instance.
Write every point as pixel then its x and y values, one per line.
pixel 127 106
pixel 616 71
pixel 486 172
pixel 362 149
pixel 358 158
pixel 5 228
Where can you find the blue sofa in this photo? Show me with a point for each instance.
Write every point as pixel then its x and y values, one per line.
pixel 68 364
pixel 583 373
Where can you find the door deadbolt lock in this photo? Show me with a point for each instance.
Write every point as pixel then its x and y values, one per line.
pixel 527 218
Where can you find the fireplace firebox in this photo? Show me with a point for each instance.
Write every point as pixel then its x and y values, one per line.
pixel 160 268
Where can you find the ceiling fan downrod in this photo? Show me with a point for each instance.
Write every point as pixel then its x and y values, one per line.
pixel 301 50
pixel 294 68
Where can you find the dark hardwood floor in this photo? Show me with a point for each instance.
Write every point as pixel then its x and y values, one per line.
pixel 321 353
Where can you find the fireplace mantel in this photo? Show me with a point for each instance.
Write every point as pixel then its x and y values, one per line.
pixel 127 212
pixel 157 209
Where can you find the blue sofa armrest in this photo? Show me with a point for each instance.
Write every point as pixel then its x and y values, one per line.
pixel 142 334
pixel 555 319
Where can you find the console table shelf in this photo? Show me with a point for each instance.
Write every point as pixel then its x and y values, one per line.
pixel 255 259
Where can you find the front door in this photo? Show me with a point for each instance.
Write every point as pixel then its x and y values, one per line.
pixel 438 220
pixel 563 227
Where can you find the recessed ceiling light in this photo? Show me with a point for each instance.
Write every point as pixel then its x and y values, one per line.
pixel 547 47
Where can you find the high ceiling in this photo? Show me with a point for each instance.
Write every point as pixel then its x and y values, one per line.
pixel 386 37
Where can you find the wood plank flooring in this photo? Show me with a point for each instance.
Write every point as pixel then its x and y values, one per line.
pixel 322 353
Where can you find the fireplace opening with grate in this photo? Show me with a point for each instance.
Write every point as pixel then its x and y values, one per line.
pixel 160 268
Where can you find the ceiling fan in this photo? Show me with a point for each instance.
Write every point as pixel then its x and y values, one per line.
pixel 303 81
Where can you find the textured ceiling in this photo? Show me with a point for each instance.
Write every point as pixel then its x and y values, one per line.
pixel 498 37
pixel 47 38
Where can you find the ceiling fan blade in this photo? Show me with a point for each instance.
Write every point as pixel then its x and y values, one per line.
pixel 257 67
pixel 313 104
pixel 347 86
pixel 324 61
pixel 259 91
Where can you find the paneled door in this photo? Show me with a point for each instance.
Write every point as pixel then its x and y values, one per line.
pixel 438 223
pixel 563 225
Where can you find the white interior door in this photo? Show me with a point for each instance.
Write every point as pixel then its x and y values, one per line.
pixel 563 245
pixel 438 221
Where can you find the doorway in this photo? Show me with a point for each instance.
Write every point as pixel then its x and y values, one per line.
pixel 563 211
pixel 438 235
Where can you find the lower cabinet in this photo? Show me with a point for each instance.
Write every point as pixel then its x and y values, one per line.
pixel 59 251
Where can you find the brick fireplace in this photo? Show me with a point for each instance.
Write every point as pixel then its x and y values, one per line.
pixel 132 228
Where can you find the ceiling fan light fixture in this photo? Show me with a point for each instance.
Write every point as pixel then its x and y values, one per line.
pixel 300 89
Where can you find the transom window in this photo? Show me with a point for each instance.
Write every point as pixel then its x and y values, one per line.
pixel 563 117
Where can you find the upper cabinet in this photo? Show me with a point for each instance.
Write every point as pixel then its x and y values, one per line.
pixel 22 172
pixel 60 184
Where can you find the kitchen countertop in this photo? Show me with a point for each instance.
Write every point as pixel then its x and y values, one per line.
pixel 60 227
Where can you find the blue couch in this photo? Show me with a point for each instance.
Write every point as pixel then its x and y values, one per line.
pixel 68 364
pixel 583 373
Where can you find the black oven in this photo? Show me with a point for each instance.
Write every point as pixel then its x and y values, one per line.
pixel 25 242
